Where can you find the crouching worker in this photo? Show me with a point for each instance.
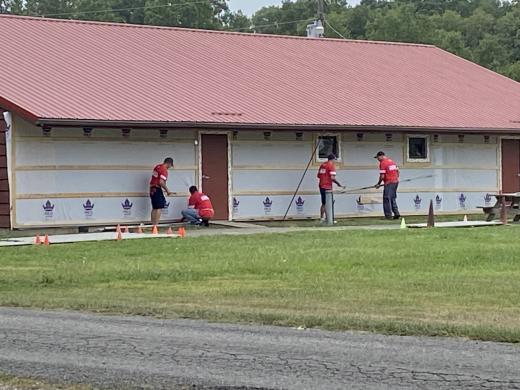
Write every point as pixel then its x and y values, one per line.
pixel 199 210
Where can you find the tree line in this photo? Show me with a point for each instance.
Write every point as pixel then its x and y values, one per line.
pixel 483 31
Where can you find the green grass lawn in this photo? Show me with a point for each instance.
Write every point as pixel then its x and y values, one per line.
pixel 369 221
pixel 458 282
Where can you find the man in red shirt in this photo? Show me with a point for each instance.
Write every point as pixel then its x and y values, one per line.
pixel 200 210
pixel 327 176
pixel 389 175
pixel 157 186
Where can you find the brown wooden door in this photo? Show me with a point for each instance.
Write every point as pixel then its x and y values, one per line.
pixel 510 165
pixel 214 149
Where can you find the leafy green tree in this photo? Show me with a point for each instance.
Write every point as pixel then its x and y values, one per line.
pixel 182 13
pixel 452 41
pixel 476 26
pixel 490 53
pixel 49 8
pixel 512 71
pixel 400 24
pixel 236 21
pixel 12 7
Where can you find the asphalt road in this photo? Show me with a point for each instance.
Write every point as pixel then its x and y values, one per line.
pixel 136 352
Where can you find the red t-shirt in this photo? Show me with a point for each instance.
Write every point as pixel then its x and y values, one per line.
pixel 159 172
pixel 325 173
pixel 202 203
pixel 390 170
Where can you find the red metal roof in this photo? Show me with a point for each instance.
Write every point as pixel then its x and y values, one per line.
pixel 63 69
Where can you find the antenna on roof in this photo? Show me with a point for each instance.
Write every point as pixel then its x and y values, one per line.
pixel 316 29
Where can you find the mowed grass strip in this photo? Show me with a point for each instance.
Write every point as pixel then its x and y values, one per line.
pixel 455 282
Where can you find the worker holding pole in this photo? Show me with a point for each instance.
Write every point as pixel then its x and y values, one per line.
pixel 327 176
pixel 389 175
pixel 158 187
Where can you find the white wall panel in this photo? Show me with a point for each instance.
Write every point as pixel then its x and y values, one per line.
pixel 93 167
pixel 267 207
pixel 464 155
pixel 362 154
pixel 77 152
pixel 52 182
pixel 271 153
pixel 40 212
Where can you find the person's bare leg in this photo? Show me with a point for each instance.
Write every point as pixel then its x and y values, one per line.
pixel 156 216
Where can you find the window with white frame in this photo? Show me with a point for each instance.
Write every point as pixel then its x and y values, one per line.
pixel 327 145
pixel 418 148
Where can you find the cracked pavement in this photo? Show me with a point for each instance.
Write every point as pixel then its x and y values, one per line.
pixel 138 352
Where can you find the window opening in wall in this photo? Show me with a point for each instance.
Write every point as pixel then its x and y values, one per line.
pixel 328 144
pixel 418 149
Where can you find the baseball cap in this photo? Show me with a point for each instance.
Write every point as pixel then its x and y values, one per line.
pixel 379 154
pixel 332 156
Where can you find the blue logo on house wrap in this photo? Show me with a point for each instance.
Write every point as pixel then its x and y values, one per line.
pixel 299 205
pixel 462 201
pixel 438 202
pixel 127 208
pixel 166 209
pixel 417 202
pixel 236 203
pixel 48 210
pixel 267 205
pixel 487 199
pixel 360 205
pixel 88 208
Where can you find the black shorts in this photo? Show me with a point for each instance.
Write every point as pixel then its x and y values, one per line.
pixel 157 197
pixel 323 193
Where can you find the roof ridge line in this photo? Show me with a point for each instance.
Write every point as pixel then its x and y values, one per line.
pixel 206 31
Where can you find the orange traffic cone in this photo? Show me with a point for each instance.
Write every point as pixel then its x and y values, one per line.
pixel 170 231
pixel 37 240
pixel 155 230
pixel 119 236
pixel 46 241
pixel 182 232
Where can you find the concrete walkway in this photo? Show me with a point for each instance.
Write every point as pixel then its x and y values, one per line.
pixel 280 230
pixel 237 229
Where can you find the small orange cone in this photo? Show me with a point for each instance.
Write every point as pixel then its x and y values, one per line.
pixel 170 231
pixel 155 230
pixel 46 241
pixel 37 240
pixel 119 236
pixel 182 232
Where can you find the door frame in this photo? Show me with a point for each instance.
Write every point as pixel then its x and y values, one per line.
pixel 229 176
pixel 499 153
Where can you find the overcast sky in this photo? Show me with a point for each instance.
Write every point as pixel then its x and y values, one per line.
pixel 250 6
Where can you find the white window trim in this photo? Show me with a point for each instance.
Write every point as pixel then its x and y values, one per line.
pixel 317 139
pixel 418 160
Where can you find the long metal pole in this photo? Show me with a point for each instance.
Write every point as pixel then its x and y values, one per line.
pixel 321 11
pixel 301 179
pixel 329 206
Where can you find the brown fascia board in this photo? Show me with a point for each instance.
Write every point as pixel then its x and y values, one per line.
pixel 261 126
